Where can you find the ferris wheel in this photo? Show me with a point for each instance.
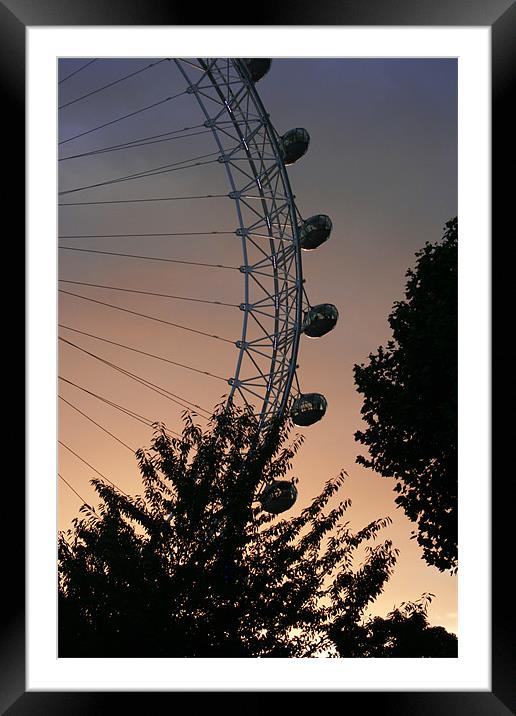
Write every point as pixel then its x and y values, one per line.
pixel 246 168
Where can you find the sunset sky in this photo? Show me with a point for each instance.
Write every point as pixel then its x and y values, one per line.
pixel 382 163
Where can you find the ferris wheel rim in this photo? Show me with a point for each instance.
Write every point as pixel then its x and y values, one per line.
pixel 282 369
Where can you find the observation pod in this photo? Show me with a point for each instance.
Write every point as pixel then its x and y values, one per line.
pixel 293 144
pixel 314 231
pixel 257 67
pixel 279 496
pixel 308 409
pixel 319 320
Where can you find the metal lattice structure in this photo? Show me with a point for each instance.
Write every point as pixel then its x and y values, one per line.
pixel 239 161
pixel 268 220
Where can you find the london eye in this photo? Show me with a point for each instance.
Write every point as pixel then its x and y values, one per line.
pixel 174 195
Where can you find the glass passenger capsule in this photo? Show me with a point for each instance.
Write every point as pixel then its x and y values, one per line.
pixel 308 409
pixel 314 231
pixel 257 67
pixel 293 144
pixel 320 320
pixel 278 496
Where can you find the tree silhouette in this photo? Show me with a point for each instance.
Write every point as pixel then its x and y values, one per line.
pixel 404 633
pixel 194 567
pixel 410 401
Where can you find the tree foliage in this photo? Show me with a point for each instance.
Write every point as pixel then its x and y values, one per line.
pixel 410 401
pixel 193 567
pixel 403 633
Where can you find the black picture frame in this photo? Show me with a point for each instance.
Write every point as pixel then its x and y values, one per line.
pixel 500 15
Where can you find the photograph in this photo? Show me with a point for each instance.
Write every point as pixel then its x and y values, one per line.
pixel 257 422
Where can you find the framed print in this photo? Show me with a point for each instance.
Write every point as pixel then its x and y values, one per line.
pixel 34 678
